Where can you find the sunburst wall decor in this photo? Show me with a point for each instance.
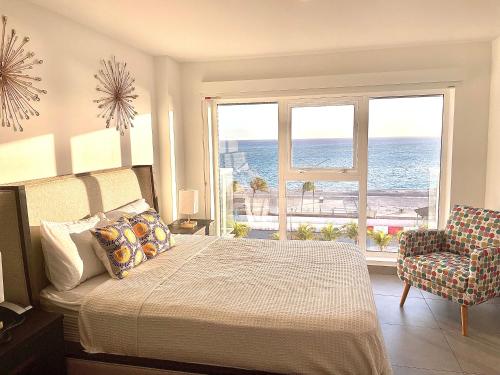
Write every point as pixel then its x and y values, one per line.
pixel 17 88
pixel 116 87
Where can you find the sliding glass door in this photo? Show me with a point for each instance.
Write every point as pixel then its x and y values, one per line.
pixel 404 163
pixel 355 169
pixel 248 169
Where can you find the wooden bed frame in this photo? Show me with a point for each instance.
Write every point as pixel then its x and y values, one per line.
pixel 23 205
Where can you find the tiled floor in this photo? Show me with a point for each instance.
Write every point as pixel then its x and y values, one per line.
pixel 424 338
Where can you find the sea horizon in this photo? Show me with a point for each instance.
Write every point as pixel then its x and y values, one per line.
pixel 394 163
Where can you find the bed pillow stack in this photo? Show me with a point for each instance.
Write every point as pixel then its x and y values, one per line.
pixel 115 241
pixel 68 249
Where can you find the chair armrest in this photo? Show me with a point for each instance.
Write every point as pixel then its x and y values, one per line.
pixel 484 276
pixel 420 242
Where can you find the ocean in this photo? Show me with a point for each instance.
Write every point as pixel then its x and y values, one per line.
pixel 393 163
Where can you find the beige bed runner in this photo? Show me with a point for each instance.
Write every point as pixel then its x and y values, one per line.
pixel 289 307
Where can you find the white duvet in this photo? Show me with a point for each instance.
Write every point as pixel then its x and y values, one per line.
pixel 288 307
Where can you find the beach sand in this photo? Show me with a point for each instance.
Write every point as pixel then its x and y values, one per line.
pixel 387 205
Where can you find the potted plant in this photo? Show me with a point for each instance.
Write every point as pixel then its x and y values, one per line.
pixel 304 232
pixel 399 234
pixel 351 231
pixel 330 233
pixel 240 230
pixel 382 239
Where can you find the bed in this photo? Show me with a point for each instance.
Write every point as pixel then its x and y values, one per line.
pixel 210 305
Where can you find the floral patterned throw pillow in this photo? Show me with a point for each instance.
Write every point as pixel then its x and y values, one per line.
pixel 152 232
pixel 120 248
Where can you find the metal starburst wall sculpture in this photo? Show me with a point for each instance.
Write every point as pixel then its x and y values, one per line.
pixel 16 85
pixel 116 86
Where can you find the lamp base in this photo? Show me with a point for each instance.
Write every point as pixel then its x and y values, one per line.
pixel 188 224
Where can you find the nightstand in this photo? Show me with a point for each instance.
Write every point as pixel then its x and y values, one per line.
pixel 204 227
pixel 37 346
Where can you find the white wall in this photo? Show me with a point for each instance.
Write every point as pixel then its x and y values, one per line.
pixel 492 199
pixel 471 100
pixel 67 137
pixel 169 107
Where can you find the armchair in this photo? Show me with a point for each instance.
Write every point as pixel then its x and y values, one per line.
pixel 460 263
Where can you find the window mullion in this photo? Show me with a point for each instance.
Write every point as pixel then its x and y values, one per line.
pixel 284 157
pixel 362 157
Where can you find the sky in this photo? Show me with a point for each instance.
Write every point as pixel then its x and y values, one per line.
pixel 388 117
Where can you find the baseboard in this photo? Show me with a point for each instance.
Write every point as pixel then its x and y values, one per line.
pixel 382 270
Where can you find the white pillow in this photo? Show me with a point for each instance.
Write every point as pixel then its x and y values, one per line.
pixel 133 208
pixel 68 251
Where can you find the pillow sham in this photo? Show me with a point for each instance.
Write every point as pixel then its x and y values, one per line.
pixel 119 249
pixel 68 252
pixel 152 232
pixel 133 208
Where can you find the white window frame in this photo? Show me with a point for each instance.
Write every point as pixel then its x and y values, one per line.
pixel 289 173
pixel 322 102
pixel 360 172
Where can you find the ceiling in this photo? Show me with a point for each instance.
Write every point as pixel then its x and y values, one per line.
pixel 194 30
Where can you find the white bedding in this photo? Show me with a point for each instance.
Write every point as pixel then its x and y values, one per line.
pixel 70 300
pixel 288 307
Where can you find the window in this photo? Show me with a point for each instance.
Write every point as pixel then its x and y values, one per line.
pixel 323 137
pixel 404 162
pixel 355 169
pixel 248 166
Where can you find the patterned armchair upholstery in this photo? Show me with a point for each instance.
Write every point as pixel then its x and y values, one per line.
pixel 460 263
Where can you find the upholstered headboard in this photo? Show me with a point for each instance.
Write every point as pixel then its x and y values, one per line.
pixel 63 198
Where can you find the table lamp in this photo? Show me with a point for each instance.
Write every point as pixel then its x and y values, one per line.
pixel 188 205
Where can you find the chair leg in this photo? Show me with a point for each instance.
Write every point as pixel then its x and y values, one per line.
pixel 405 294
pixel 464 314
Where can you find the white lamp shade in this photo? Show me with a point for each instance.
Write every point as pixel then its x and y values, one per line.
pixel 188 202
pixel 2 297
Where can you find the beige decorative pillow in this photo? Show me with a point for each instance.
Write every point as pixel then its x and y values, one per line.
pixel 152 232
pixel 120 249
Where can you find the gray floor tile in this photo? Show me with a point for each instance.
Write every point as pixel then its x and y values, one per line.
pixel 390 285
pixel 419 347
pixel 415 312
pixel 401 370
pixel 483 318
pixel 477 353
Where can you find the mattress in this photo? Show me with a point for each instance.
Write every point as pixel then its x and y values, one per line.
pixel 70 300
pixel 68 303
pixel 288 307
